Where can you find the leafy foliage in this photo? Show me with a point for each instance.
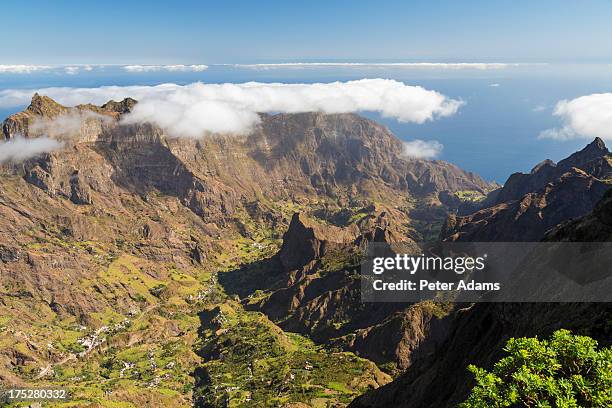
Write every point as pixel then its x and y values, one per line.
pixel 565 371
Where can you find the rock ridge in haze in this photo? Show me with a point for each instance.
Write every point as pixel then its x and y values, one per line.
pixel 593 159
pixel 530 204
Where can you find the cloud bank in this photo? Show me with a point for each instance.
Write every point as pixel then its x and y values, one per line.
pixel 410 65
pixel 169 68
pixel 421 149
pixel 585 117
pixel 23 69
pixel 66 125
pixel 20 149
pixel 196 109
pixel 73 69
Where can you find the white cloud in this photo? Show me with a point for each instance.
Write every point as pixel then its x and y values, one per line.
pixel 410 65
pixel 20 149
pixel 67 125
pixel 72 70
pixel 169 68
pixel 192 110
pixel 585 117
pixel 23 69
pixel 563 133
pixel 539 108
pixel 422 149
pixel 30 69
pixel 495 85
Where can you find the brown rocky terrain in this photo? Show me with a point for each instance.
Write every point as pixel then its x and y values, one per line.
pixel 312 297
pixel 478 332
pixel 314 289
pixel 110 244
pixel 130 260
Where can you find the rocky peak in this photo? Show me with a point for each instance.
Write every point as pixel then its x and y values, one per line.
pixel 40 106
pixel 44 106
pixel 594 159
pixel 46 109
pixel 124 106
pixel 594 150
pixel 597 144
pixel 307 240
pixel 530 204
pixel 543 165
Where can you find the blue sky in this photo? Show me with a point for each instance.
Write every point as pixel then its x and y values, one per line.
pixel 59 32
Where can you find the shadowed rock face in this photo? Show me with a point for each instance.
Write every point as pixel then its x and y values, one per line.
pixel 318 293
pixel 594 227
pixel 594 159
pixel 478 336
pixel 479 332
pixel 530 204
pixel 306 241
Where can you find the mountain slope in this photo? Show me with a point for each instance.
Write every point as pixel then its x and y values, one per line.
pixel 478 332
pixel 111 247
pixel 528 205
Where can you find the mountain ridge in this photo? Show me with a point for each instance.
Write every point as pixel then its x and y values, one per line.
pixel 113 246
pixel 162 262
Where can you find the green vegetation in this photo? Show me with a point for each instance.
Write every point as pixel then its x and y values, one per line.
pixel 470 195
pixel 129 330
pixel 249 361
pixel 565 371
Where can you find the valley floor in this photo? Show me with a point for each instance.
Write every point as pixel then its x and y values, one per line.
pixel 194 344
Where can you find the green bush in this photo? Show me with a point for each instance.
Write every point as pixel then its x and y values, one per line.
pixel 565 371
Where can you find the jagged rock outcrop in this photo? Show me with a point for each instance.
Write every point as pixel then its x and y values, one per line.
pixel 80 192
pixel 40 106
pixel 320 293
pixel 45 117
pixel 306 241
pixel 594 159
pixel 124 106
pixel 530 204
pixel 480 331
